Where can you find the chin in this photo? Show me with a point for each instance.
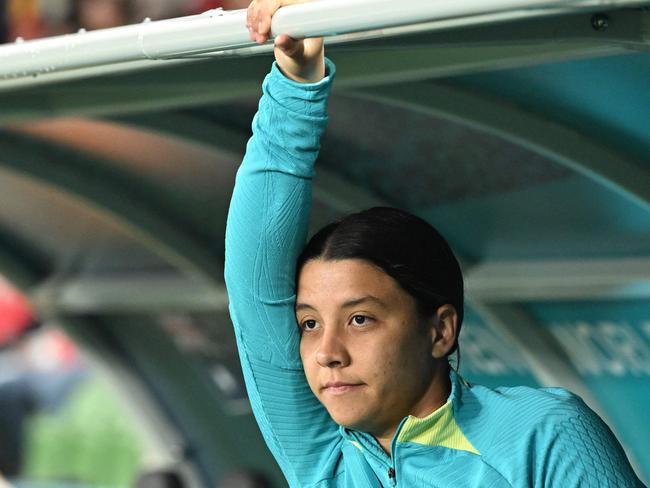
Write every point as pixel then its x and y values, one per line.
pixel 349 420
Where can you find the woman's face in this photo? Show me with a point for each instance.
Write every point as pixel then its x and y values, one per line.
pixel 366 353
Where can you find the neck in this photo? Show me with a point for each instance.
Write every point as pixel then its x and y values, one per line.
pixel 434 397
pixel 385 442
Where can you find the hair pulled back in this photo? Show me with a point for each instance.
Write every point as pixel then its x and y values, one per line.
pixel 405 247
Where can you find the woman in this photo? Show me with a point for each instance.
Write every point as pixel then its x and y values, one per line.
pixel 360 393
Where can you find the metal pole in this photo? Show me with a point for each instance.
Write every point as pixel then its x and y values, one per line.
pixel 218 30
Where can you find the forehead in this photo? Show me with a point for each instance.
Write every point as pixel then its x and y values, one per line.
pixel 334 282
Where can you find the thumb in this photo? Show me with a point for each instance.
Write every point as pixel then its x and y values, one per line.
pixel 289 46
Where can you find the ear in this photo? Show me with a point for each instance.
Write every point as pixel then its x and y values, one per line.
pixel 444 331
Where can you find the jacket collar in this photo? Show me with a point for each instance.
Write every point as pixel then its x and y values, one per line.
pixel 439 428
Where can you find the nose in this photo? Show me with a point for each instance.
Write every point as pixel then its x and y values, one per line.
pixel 332 351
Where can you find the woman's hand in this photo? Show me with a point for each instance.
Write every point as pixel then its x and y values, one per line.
pixel 301 60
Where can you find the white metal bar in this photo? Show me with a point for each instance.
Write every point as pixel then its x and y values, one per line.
pixel 340 16
pixel 591 279
pixel 219 30
pixel 140 293
pixel 440 25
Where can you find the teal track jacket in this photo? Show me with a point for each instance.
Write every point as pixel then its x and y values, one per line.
pixel 508 437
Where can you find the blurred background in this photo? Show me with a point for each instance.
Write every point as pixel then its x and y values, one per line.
pixel 58 421
pixel 30 19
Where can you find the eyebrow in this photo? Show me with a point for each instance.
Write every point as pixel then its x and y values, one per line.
pixel 347 304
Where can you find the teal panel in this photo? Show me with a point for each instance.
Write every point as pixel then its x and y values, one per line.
pixel 606 97
pixel 570 218
pixel 609 343
pixel 488 358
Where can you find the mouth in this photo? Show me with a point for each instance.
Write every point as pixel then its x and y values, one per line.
pixel 340 388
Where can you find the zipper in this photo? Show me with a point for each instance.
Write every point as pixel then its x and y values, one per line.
pixel 391 476
pixel 389 466
pixel 391 471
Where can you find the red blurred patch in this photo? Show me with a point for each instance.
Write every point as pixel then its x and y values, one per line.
pixel 15 312
pixel 208 5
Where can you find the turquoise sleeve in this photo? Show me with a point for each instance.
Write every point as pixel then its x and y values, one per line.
pixel 581 451
pixel 266 230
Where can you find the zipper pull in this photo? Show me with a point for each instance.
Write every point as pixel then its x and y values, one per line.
pixel 391 474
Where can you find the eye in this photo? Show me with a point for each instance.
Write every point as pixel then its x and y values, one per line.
pixel 360 320
pixel 308 325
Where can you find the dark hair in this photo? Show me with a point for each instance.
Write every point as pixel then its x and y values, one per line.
pixel 405 247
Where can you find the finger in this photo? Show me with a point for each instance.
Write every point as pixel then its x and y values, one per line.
pixel 312 47
pixel 264 27
pixel 288 45
pixel 283 42
pixel 262 21
pixel 261 11
pixel 251 15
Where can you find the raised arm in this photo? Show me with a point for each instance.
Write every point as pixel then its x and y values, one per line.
pixel 266 229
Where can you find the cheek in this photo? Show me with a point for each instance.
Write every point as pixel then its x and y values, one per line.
pixel 306 347
pixel 379 363
pixel 402 362
pixel 308 364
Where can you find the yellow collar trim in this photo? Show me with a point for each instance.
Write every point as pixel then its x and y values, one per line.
pixel 354 443
pixel 437 429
